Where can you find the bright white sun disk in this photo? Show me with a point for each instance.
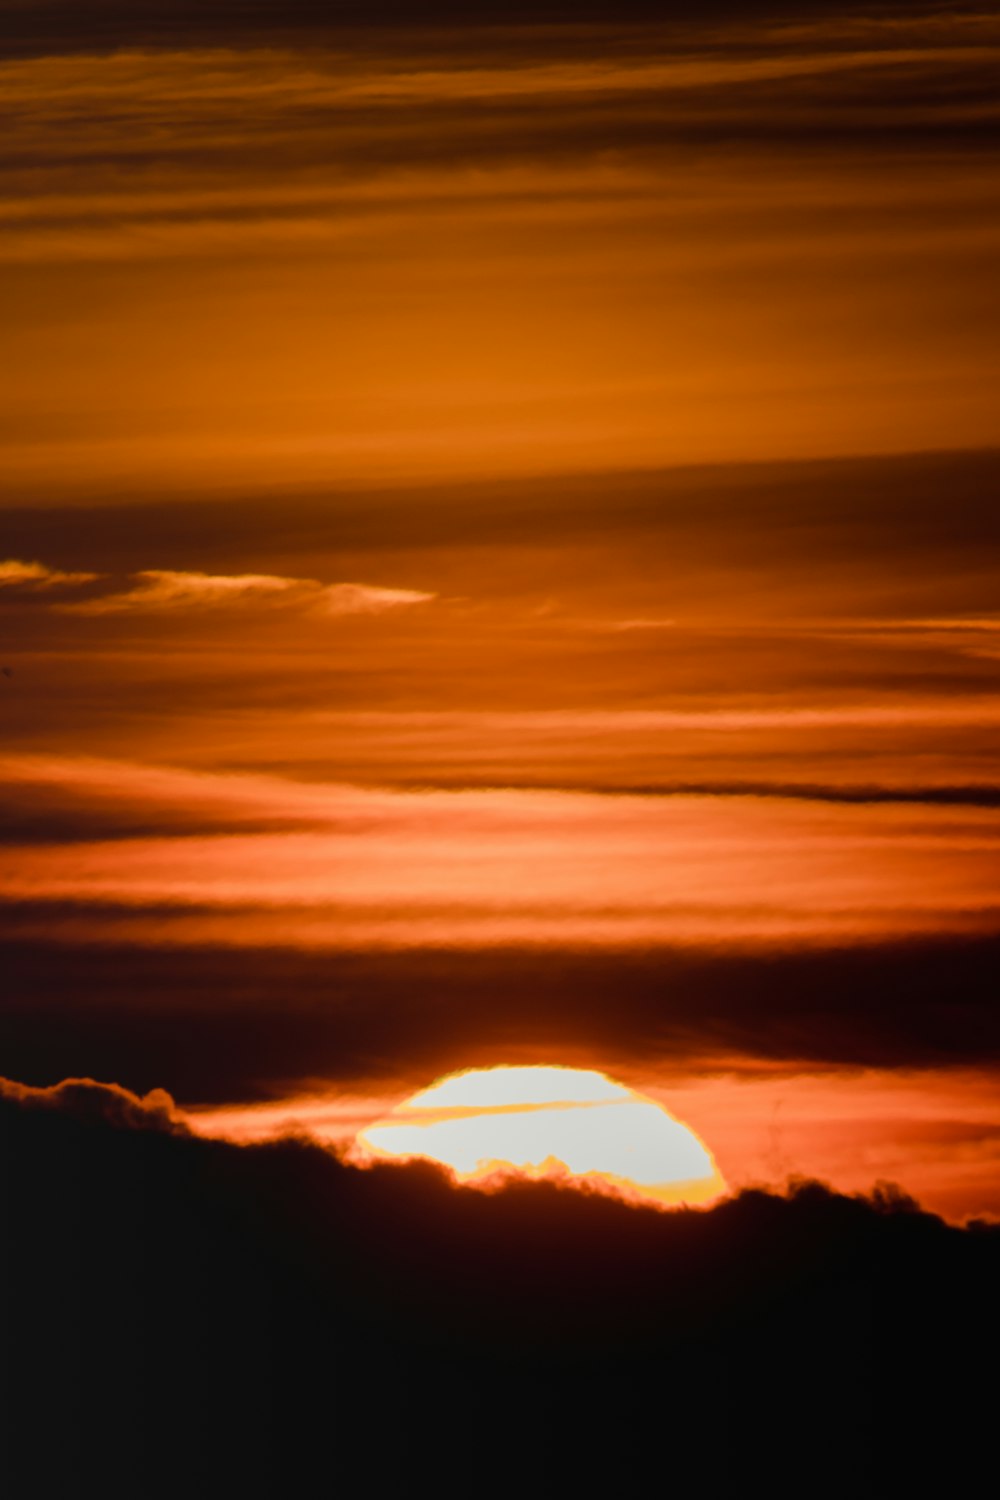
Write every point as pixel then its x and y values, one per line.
pixel 548 1121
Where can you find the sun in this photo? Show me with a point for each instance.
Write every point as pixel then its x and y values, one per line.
pixel 566 1123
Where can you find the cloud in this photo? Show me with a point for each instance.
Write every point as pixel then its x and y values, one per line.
pixel 35 577
pixel 632 161
pixel 85 991
pixel 857 538
pixel 159 589
pixel 474 868
pixel 650 624
pixel 54 26
pixel 363 599
pixel 507 97
pixel 99 1103
pixel 68 800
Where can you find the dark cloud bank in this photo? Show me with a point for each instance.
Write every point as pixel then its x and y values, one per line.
pixel 218 1025
pixel 883 511
pixel 55 26
pixel 171 1303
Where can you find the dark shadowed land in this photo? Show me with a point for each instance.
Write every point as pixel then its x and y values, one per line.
pixel 171 1304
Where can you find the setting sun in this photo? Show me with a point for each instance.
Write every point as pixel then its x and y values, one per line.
pixel 548 1122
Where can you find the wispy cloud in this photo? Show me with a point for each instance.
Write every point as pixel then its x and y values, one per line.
pixel 160 589
pixel 640 624
pixel 537 177
pixel 35 576
pixel 364 599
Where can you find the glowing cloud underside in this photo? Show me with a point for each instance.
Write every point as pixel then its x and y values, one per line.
pixel 548 1121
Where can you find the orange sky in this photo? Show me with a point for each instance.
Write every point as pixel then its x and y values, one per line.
pixel 499 562
pixel 934 1130
pixel 231 264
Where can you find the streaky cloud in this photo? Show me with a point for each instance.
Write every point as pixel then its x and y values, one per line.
pixel 166 590
pixel 35 577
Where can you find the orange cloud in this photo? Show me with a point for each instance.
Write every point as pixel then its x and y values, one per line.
pixel 34 575
pixel 365 599
pixel 619 251
pixel 160 589
pixel 447 868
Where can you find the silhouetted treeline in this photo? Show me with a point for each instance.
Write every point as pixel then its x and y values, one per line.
pixel 182 1314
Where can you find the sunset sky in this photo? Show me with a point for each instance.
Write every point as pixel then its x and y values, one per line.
pixel 499 565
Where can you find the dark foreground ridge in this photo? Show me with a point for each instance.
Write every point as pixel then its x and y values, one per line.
pixel 175 1308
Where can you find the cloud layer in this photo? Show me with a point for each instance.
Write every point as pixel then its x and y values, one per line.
pixel 327 246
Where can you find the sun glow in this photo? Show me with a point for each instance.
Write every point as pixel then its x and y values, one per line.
pixel 553 1122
